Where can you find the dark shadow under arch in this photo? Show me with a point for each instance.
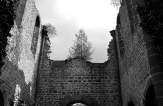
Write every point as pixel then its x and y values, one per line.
pixel 150 98
pixel 1 99
pixel 130 103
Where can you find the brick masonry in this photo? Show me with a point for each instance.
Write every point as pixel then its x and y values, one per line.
pixel 61 79
pixel 67 78
pixel 136 74
pixel 18 73
pixel 134 65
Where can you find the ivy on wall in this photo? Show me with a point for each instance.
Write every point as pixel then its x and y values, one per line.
pixel 7 16
pixel 151 15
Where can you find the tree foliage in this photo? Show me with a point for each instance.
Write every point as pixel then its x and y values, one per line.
pixel 51 30
pixel 116 3
pixel 151 16
pixel 82 47
pixel 6 23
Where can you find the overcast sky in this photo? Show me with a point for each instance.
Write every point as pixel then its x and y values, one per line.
pixel 95 17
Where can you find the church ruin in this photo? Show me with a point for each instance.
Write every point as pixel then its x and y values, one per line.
pixel 132 76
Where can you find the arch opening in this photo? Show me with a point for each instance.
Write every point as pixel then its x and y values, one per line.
pixel 150 98
pixel 77 103
pixel 37 21
pixel 130 103
pixel 1 99
pixel 35 36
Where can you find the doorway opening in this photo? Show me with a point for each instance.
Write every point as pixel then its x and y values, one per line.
pixel 150 99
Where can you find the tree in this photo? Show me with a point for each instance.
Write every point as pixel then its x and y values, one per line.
pixel 51 30
pixel 81 48
pixel 116 3
pixel 7 18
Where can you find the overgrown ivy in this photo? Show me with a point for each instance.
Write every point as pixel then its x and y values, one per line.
pixel 7 16
pixel 151 14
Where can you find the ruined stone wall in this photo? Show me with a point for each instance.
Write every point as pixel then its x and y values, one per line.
pixel 61 79
pixel 18 73
pixel 133 60
pixel 43 72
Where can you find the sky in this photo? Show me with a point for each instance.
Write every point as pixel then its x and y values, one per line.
pixel 95 17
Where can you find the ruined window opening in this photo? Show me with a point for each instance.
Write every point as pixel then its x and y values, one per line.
pixel 37 22
pixel 150 97
pixel 35 36
pixel 130 103
pixel 1 99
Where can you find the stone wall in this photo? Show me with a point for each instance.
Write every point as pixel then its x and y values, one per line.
pixel 78 77
pixel 61 81
pixel 18 73
pixel 134 64
pixel 43 70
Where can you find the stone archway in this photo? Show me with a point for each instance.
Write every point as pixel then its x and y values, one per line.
pixel 1 99
pixel 130 103
pixel 78 103
pixel 78 99
pixel 150 98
